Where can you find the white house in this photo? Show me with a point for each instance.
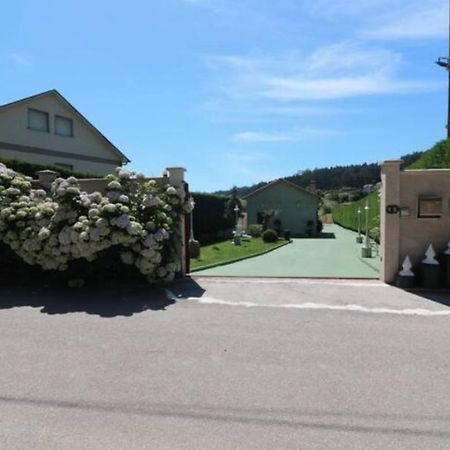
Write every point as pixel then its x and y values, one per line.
pixel 46 129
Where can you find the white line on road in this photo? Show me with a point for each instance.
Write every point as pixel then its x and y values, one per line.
pixel 314 306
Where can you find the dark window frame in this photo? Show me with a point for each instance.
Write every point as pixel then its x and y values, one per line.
pixel 57 116
pixel 42 112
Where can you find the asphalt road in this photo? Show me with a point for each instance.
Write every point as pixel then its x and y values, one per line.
pixel 225 364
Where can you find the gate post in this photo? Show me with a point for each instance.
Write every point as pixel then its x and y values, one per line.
pixel 390 223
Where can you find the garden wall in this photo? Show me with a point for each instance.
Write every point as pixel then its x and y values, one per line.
pixel 415 212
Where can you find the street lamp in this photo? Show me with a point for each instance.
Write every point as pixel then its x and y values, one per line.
pixel 359 238
pixel 366 251
pixel 237 233
pixel 192 219
pixel 194 246
pixel 445 63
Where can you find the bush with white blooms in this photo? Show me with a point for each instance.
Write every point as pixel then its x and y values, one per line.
pixel 135 216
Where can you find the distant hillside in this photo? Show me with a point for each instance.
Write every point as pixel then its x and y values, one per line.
pixel 329 178
pixel 438 157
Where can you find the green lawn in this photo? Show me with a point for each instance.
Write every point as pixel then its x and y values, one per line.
pixel 227 251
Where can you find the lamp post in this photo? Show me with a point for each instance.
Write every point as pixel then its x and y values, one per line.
pixel 359 237
pixel 237 233
pixel 366 251
pixel 445 63
pixel 194 246
pixel 192 220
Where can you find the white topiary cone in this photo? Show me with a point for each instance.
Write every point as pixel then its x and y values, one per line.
pixel 447 252
pixel 430 256
pixel 406 268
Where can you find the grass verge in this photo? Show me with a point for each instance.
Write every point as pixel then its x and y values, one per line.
pixel 226 252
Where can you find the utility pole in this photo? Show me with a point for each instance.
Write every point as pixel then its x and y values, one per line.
pixel 445 63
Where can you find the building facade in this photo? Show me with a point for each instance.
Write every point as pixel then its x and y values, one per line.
pixel 294 208
pixel 47 129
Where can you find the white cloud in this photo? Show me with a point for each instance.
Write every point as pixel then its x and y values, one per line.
pixel 337 71
pixel 19 59
pixel 299 88
pixel 256 136
pixel 247 157
pixel 274 137
pixel 429 23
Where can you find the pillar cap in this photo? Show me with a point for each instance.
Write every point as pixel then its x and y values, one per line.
pixel 391 162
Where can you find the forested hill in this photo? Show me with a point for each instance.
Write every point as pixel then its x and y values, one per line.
pixel 329 178
pixel 438 157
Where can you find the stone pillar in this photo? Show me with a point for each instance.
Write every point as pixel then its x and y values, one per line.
pixel 46 178
pixel 176 179
pixel 390 223
pixel 176 175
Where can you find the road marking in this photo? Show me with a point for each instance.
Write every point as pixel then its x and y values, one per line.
pixel 314 306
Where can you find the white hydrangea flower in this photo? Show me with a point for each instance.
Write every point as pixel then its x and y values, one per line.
pixel 114 185
pixel 127 258
pixel 122 221
pixel 44 233
pixel 134 228
pixel 93 213
pixel 113 196
pixel 150 201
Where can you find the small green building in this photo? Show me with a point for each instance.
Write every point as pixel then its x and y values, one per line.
pixel 295 208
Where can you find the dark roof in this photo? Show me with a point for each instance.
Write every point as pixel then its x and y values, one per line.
pixel 281 180
pixel 64 100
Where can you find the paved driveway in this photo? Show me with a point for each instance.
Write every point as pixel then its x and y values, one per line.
pixel 225 364
pixel 334 255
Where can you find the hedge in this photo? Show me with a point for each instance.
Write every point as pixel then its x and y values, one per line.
pixel 346 214
pixel 30 169
pixel 210 223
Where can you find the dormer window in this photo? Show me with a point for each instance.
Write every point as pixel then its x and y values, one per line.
pixel 63 126
pixel 38 120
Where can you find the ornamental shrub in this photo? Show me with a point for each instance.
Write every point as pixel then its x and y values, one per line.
pixel 270 235
pixel 255 230
pixel 135 219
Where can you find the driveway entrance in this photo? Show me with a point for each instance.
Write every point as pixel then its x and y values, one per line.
pixel 336 255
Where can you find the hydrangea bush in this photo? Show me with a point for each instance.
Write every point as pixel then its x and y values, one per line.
pixel 134 216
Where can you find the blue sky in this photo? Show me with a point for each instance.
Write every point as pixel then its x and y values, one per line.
pixel 237 91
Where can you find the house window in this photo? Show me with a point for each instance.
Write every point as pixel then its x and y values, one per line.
pixel 430 207
pixel 38 120
pixel 260 218
pixel 64 166
pixel 63 126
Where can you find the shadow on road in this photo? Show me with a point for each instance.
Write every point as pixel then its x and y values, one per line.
pixel 439 296
pixel 327 235
pixel 104 301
